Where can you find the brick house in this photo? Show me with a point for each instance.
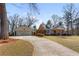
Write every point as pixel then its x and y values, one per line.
pixel 58 31
pixel 42 29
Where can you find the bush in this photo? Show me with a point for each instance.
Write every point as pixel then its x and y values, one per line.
pixel 39 34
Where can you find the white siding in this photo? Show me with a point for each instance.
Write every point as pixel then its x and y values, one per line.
pixel 23 33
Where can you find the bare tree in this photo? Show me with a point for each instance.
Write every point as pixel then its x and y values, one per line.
pixel 70 14
pixel 14 22
pixel 30 20
pixel 33 8
pixel 4 21
pixel 56 19
pixel 20 21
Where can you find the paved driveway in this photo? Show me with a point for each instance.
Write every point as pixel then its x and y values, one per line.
pixel 45 47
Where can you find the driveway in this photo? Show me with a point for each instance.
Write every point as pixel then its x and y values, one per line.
pixel 45 47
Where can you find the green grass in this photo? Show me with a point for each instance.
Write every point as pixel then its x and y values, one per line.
pixel 68 41
pixel 18 48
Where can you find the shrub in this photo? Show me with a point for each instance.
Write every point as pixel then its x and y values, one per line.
pixel 40 34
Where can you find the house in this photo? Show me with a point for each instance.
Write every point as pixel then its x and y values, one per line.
pixel 42 29
pixel 23 31
pixel 58 30
pixel 49 32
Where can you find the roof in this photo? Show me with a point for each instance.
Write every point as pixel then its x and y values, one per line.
pixel 42 27
pixel 59 27
pixel 23 29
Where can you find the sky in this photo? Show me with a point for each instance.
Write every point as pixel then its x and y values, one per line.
pixel 46 10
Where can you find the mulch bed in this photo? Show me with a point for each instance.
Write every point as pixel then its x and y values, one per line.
pixel 7 41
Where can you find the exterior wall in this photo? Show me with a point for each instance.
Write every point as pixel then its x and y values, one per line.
pixel 58 32
pixel 41 31
pixel 49 32
pixel 23 33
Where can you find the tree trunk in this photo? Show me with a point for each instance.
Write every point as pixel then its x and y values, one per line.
pixel 67 33
pixel 4 22
pixel 71 28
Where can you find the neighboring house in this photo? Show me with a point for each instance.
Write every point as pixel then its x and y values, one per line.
pixel 58 30
pixel 49 32
pixel 23 31
pixel 42 29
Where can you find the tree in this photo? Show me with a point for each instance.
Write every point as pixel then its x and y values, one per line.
pixel 56 19
pixel 14 22
pixel 4 22
pixel 33 8
pixel 70 14
pixel 30 20
pixel 49 24
pixel 60 24
pixel 20 21
pixel 34 27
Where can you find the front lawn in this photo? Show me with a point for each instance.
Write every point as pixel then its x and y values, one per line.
pixel 17 48
pixel 68 41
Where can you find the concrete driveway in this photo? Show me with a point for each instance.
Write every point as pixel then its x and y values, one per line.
pixel 45 47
